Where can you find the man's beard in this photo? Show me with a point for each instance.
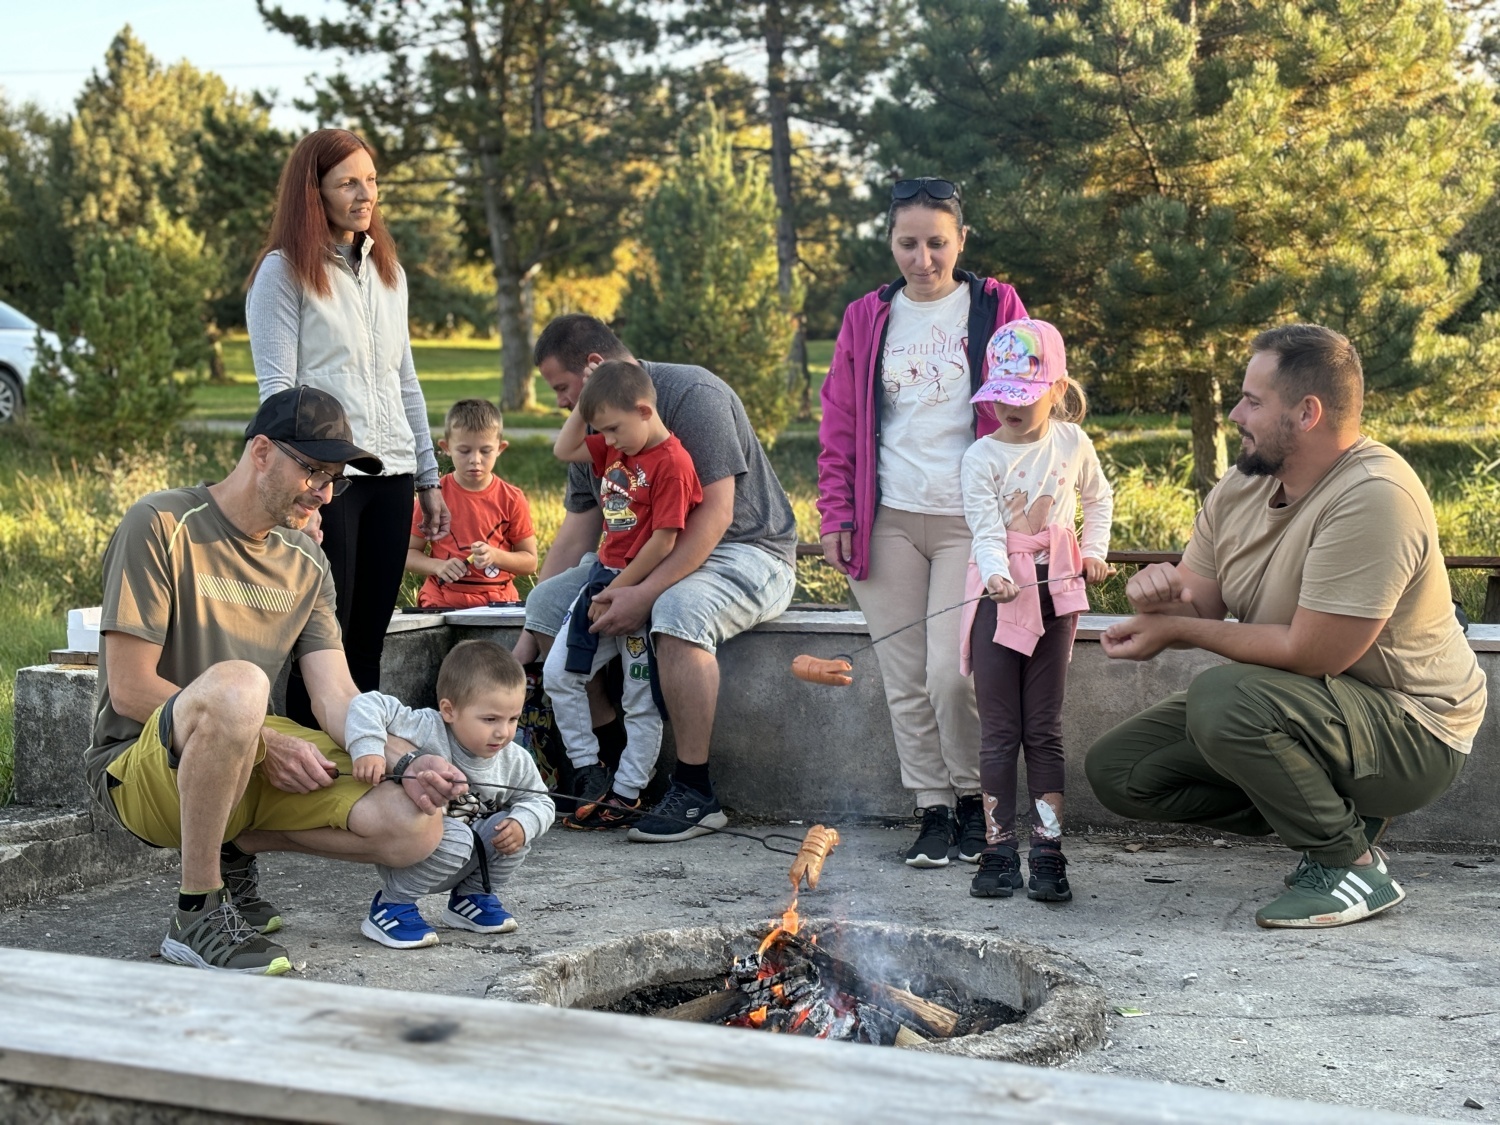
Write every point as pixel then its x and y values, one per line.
pixel 1270 454
pixel 280 504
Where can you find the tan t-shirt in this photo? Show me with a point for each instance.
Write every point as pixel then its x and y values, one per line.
pixel 1362 543
pixel 177 573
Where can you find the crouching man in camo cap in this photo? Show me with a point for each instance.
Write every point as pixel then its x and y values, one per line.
pixel 207 591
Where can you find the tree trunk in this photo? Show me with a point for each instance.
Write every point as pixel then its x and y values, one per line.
pixel 781 184
pixel 1210 459
pixel 217 375
pixel 517 391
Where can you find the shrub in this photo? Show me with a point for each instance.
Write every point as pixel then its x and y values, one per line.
pixel 126 327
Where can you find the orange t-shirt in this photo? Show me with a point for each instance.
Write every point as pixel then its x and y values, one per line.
pixel 499 516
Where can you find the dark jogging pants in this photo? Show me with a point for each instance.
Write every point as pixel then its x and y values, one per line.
pixel 1256 750
pixel 365 532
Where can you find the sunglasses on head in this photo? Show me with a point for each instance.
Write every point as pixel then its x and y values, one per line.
pixel 934 187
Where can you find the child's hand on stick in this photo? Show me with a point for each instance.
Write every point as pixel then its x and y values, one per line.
pixel 509 837
pixel 1096 571
pixel 369 768
pixel 1002 589
pixel 453 570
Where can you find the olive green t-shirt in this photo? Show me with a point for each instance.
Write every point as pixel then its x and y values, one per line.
pixel 1362 543
pixel 178 574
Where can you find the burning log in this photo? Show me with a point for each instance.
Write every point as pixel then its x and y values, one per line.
pixel 937 1019
pixel 716 1007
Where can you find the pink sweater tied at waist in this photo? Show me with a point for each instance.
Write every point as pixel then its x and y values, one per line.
pixel 1018 623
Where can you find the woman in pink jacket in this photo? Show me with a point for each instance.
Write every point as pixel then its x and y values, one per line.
pixel 896 424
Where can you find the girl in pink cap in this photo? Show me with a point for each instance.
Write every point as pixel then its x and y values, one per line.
pixel 1022 485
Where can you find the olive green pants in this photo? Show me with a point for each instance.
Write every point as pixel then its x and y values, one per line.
pixel 1256 750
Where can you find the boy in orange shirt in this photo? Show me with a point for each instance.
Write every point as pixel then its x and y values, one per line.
pixel 492 538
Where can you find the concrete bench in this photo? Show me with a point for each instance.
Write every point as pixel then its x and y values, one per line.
pixel 782 748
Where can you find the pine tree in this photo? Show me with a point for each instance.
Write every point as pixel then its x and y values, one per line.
pixel 1164 177
pixel 708 294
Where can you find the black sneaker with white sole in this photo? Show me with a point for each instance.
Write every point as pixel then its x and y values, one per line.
pixel 680 815
pixel 935 838
pixel 970 828
pixel 217 938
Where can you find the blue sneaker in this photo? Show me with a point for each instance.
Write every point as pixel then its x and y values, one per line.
pixel 399 925
pixel 479 912
pixel 680 815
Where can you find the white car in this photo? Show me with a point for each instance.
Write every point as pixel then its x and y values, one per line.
pixel 17 354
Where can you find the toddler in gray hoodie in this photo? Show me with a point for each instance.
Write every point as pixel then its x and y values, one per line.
pixel 487 832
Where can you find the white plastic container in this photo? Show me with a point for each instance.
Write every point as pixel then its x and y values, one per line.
pixel 83 629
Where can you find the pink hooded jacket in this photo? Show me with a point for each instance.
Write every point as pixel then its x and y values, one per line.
pixel 848 482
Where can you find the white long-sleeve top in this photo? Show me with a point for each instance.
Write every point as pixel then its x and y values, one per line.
pixel 1030 486
pixel 373 715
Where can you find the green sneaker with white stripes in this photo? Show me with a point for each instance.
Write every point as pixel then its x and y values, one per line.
pixel 1332 896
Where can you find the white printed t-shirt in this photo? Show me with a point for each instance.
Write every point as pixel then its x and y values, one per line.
pixel 1030 486
pixel 926 420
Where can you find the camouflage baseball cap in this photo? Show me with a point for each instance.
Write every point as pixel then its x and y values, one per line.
pixel 314 423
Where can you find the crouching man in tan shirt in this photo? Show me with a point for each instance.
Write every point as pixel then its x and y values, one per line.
pixel 1352 695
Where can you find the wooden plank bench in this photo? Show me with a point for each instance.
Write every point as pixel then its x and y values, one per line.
pixel 295 1050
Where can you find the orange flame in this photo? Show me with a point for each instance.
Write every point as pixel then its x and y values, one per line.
pixel 791 922
pixel 758 1016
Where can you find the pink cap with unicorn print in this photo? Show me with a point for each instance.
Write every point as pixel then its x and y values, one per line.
pixel 1024 358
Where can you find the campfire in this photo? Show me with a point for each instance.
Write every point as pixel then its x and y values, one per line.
pixel 791 986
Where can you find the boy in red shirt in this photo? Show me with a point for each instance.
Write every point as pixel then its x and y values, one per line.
pixel 492 538
pixel 647 488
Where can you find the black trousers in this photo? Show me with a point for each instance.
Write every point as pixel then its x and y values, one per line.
pixel 1020 707
pixel 365 532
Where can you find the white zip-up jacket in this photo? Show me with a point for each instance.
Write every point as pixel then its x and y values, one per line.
pixel 354 344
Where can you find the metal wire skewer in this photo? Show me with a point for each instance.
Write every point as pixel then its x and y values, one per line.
pixel 761 840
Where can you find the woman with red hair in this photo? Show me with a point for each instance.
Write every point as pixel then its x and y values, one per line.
pixel 327 309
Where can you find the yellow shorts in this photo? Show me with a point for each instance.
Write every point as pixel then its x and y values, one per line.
pixel 143 785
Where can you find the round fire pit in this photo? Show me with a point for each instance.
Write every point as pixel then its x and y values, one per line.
pixel 1060 1009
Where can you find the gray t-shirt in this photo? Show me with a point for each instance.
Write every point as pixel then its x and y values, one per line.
pixel 710 421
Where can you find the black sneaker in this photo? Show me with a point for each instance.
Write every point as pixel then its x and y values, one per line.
pixel 1049 879
pixel 216 937
pixel 242 881
pixel 614 811
pixel 999 874
pixel 590 784
pixel 971 837
pixel 682 814
pixel 938 834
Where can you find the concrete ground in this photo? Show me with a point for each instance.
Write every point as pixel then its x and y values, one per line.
pixel 1401 1012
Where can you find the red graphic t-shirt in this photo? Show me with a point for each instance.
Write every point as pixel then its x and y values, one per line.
pixel 654 489
pixel 498 515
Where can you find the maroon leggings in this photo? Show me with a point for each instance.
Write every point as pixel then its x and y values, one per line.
pixel 1020 705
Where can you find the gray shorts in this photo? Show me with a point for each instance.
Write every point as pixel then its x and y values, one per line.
pixel 737 587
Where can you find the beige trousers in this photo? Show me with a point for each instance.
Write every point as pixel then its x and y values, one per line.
pixel 917 566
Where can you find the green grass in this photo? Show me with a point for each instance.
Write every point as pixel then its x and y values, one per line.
pixel 447 369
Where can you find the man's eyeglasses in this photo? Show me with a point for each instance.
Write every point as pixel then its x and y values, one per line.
pixel 934 187
pixel 317 479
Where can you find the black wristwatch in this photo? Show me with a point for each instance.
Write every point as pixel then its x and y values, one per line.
pixel 399 770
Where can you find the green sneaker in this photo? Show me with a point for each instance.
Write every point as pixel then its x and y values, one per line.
pixel 1290 878
pixel 1331 896
pixel 242 881
pixel 216 937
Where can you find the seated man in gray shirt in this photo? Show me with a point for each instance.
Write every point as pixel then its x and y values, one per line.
pixel 732 568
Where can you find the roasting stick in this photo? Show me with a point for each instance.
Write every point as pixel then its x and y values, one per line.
pixel 764 841
pixel 835 670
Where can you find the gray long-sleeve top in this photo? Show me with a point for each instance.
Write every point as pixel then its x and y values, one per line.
pixel 373 715
pixel 278 314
